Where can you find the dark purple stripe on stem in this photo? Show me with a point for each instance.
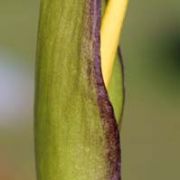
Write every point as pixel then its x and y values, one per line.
pixel 110 126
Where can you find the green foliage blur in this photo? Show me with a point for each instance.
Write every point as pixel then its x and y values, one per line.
pixel 150 130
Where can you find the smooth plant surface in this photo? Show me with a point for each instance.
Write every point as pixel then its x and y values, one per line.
pixel 76 131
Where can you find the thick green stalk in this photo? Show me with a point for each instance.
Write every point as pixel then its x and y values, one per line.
pixel 76 134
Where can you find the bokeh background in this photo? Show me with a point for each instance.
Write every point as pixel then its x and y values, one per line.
pixel 151 126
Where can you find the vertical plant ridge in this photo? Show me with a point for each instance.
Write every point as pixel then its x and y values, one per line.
pixel 110 126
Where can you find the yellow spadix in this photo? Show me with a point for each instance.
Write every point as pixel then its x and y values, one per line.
pixel 110 35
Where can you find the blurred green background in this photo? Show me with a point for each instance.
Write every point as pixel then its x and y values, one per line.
pixel 151 125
